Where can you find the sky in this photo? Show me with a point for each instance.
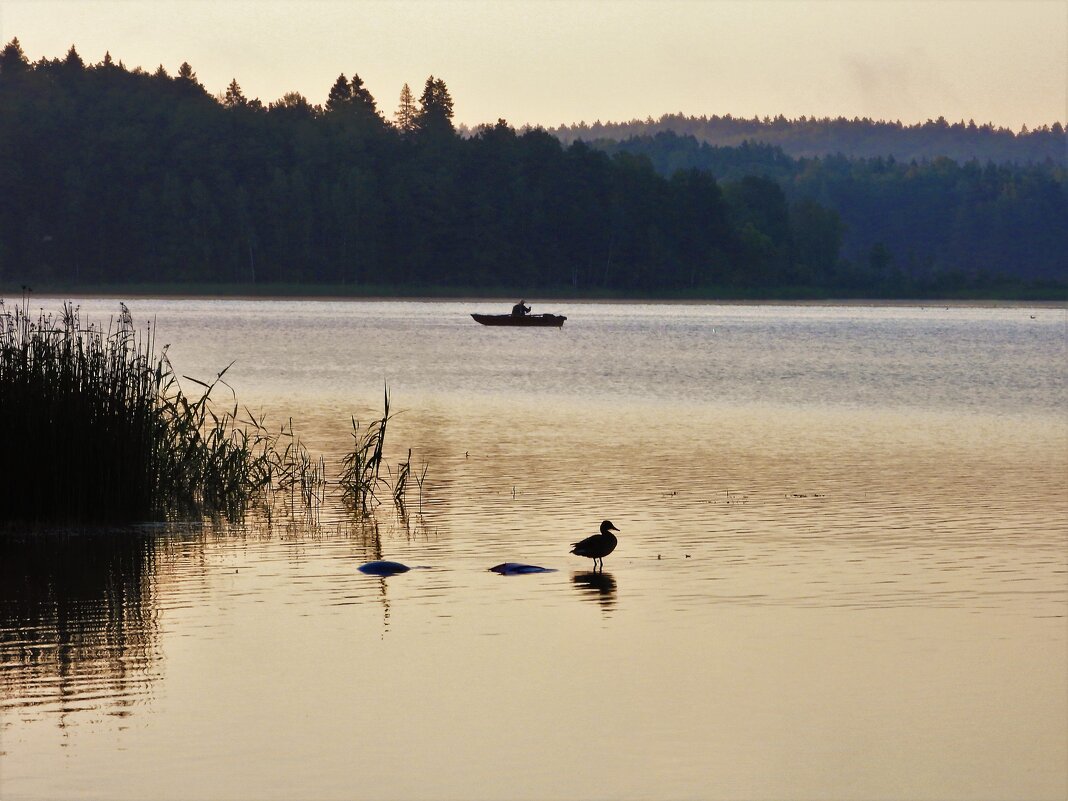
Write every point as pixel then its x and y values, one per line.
pixel 549 62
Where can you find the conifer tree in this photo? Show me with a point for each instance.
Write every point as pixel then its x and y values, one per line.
pixel 435 108
pixel 186 74
pixel 360 95
pixel 340 94
pixel 187 84
pixel 12 59
pixel 234 97
pixel 73 60
pixel 406 111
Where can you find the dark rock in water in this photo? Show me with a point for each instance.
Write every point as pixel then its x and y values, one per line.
pixel 383 568
pixel 517 568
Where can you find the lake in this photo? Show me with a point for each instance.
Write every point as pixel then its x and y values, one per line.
pixel 842 569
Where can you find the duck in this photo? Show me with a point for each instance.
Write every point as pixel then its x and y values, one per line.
pixel 598 546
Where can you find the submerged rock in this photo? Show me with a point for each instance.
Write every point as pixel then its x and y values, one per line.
pixel 383 568
pixel 517 568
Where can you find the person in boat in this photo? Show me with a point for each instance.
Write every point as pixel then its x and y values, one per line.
pixel 520 309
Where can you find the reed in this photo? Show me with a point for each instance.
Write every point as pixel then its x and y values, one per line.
pixel 400 485
pixel 361 468
pixel 420 477
pixel 96 429
pixel 361 477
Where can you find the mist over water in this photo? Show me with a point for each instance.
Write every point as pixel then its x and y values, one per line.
pixel 841 568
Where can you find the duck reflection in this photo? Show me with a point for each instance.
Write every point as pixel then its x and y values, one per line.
pixel 77 622
pixel 597 586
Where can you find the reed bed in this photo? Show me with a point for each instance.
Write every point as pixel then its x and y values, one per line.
pixel 96 429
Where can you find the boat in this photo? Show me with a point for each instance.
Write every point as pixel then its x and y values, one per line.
pixel 555 320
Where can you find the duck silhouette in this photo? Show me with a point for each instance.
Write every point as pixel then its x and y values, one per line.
pixel 598 546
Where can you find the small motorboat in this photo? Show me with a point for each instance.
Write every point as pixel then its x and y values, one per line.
pixel 553 320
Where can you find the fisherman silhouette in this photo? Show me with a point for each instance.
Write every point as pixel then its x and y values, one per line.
pixel 519 309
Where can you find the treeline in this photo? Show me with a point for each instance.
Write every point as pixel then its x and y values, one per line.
pixel 933 222
pixel 809 137
pixel 115 176
pixel 111 175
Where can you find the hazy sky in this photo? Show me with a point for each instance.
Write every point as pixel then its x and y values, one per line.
pixel 541 62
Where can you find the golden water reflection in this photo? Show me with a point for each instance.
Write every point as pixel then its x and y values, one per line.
pixel 807 601
pixel 802 580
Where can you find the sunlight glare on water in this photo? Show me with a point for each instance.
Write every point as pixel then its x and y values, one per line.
pixel 841 569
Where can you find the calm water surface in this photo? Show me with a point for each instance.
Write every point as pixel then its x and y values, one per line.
pixel 842 568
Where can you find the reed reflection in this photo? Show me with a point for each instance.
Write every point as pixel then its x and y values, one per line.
pixel 77 623
pixel 366 532
pixel 596 585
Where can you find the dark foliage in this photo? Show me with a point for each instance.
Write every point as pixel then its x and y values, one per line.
pixel 929 223
pixel 114 176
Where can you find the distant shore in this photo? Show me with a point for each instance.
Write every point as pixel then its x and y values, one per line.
pixel 1052 296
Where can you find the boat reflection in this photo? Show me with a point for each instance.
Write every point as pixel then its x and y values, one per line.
pixel 77 623
pixel 597 586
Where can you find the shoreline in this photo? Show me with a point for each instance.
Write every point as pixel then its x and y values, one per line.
pixel 293 292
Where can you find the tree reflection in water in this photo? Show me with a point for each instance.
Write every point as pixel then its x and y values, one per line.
pixel 77 622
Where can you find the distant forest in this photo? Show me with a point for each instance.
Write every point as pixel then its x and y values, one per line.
pixel 923 219
pixel 112 176
pixel 857 138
